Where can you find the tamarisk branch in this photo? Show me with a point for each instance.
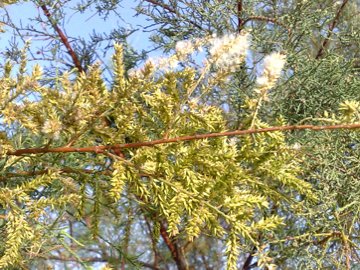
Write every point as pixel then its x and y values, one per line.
pixel 63 38
pixel 331 29
pixel 104 148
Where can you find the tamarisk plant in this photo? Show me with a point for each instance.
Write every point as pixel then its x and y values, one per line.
pixel 62 160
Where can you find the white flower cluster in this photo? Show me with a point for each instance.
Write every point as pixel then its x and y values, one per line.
pixel 273 65
pixel 166 63
pixel 226 53
pixel 338 3
pixel 184 47
pixel 229 51
pixel 52 127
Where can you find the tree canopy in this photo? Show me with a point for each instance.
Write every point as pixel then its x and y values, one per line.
pixel 236 148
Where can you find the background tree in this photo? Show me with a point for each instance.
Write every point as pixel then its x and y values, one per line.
pixel 161 187
pixel 321 39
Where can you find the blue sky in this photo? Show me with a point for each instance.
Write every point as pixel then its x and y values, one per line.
pixel 82 25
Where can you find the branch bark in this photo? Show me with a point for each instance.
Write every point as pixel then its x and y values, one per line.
pixel 105 148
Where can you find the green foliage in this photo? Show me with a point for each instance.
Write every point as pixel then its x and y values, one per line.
pixel 223 186
pixel 309 92
pixel 88 186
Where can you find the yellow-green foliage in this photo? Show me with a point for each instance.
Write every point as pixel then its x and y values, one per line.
pixel 25 216
pixel 221 186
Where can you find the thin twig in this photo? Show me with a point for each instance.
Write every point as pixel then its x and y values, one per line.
pixel 42 172
pixel 170 9
pixel 164 6
pixel 239 11
pixel 90 260
pixel 153 242
pixel 265 19
pixel 63 38
pixel 248 261
pixel 104 148
pixel 331 28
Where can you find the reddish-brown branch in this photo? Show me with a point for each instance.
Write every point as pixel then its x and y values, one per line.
pixel 164 6
pixel 170 9
pixel 249 259
pixel 331 29
pixel 265 19
pixel 167 240
pixel 63 38
pixel 174 248
pixel 239 11
pixel 104 148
